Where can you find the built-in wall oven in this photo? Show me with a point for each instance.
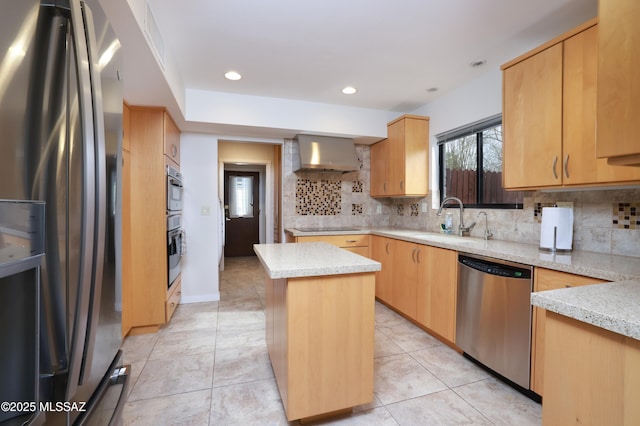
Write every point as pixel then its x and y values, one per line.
pixel 174 190
pixel 175 247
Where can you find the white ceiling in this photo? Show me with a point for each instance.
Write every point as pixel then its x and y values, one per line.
pixel 391 51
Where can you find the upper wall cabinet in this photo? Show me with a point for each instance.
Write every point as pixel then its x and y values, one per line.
pixel 619 81
pixel 400 162
pixel 171 139
pixel 549 117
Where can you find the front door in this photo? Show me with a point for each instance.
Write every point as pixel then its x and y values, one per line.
pixel 242 211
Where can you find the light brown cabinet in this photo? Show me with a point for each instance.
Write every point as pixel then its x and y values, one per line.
pixel 437 290
pixel 546 279
pixel 356 243
pixel 549 116
pixel 618 76
pixel 150 300
pixel 405 277
pixel 126 222
pixel 380 169
pixel 381 249
pixel 400 163
pixel 320 339
pixel 592 375
pixel 171 139
pixel 419 281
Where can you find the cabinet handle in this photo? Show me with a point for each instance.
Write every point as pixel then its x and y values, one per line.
pixel 566 166
pixel 352 241
pixel 386 248
pixel 384 187
pixel 555 163
pixel 413 255
pixel 418 256
pixel 174 150
pixel 172 304
pixel 402 185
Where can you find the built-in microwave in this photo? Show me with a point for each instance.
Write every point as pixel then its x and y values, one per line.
pixel 174 189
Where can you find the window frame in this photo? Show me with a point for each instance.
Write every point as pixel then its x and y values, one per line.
pixel 477 128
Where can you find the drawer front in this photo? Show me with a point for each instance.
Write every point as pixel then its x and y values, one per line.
pixel 547 279
pixel 362 251
pixel 173 299
pixel 357 240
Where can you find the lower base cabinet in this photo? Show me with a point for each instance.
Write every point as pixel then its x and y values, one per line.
pixel 592 375
pixel 320 338
pixel 437 290
pixel 419 281
pixel 546 279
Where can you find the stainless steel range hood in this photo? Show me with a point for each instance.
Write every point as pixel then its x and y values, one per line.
pixel 326 154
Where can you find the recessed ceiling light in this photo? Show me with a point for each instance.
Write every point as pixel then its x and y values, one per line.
pixel 476 64
pixel 432 89
pixel 349 90
pixel 232 75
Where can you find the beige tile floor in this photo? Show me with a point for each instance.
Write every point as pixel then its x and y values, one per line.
pixel 210 366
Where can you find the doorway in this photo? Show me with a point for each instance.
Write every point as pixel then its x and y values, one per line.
pixel 242 212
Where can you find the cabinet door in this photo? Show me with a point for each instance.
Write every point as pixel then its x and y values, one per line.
pixel 171 139
pixel 404 285
pixel 395 133
pixel 546 279
pixel 127 282
pixel 408 139
pixel 532 121
pixel 618 76
pixel 580 165
pixel 437 290
pixel 416 156
pixel 379 168
pixel 381 249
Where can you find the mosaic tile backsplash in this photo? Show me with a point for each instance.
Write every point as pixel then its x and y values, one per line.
pixel 625 215
pixel 318 197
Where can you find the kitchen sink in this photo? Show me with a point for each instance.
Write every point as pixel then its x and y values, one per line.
pixel 442 238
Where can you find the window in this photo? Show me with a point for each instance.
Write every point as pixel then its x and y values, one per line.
pixel 471 166
pixel 240 196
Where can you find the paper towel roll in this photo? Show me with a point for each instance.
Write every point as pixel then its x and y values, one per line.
pixel 557 222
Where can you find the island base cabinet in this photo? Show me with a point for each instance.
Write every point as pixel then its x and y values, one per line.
pixel 591 375
pixel 320 338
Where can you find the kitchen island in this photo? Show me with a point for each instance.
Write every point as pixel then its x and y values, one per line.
pixel 319 312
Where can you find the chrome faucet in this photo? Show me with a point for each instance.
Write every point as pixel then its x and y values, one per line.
pixel 462 230
pixel 487 231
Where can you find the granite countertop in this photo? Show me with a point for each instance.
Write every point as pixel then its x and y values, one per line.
pixel 311 259
pixel 611 306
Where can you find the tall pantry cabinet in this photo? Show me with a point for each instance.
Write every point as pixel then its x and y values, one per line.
pixel 152 133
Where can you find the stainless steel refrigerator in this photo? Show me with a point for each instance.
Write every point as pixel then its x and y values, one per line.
pixel 61 135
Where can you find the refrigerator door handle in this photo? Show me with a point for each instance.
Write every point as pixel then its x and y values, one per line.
pixel 100 197
pixel 78 337
pixel 119 376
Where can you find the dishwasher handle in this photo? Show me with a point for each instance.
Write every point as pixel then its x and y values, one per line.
pixel 493 268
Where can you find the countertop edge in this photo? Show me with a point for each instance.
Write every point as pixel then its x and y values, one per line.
pixel 568 302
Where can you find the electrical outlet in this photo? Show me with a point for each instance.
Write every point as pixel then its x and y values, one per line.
pixel 379 209
pixel 424 207
pixel 205 211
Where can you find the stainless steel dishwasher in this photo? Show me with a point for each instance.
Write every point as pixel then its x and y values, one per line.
pixel 493 315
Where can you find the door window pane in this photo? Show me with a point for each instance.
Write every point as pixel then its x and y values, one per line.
pixel 240 196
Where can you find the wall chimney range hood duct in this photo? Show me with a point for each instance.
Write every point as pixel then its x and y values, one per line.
pixel 326 154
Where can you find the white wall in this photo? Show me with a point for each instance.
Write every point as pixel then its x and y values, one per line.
pixel 199 167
